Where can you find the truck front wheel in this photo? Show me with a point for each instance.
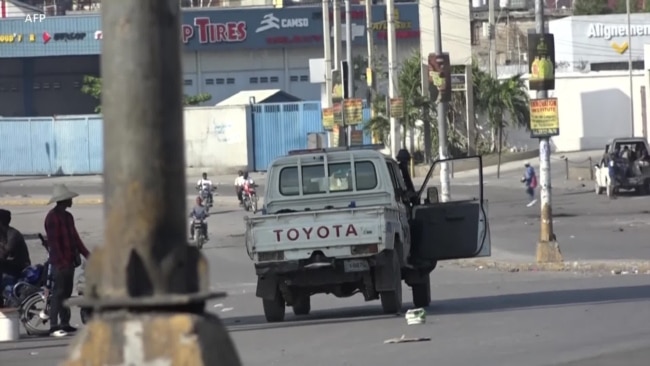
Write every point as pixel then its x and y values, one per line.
pixel 422 293
pixel 391 301
pixel 274 309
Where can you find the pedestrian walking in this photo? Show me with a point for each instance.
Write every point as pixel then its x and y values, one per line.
pixel 530 180
pixel 66 249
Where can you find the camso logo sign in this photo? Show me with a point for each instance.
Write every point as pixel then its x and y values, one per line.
pixel 270 21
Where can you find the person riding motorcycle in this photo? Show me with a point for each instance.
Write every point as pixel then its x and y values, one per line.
pixel 199 213
pixel 239 186
pixel 205 185
pixel 247 183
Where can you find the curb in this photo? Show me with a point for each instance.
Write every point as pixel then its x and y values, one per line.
pixel 44 201
pixel 595 266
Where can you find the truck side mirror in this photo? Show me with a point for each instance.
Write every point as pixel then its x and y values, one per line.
pixel 432 195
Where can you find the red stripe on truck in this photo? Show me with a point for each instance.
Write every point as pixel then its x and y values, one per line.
pixel 322 232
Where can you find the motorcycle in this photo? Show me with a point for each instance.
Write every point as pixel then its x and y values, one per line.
pixel 249 197
pixel 199 236
pixel 206 197
pixel 30 293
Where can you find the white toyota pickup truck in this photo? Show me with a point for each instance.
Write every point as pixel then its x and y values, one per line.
pixel 346 221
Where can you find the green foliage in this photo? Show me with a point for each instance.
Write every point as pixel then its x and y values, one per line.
pixel 592 7
pixel 92 86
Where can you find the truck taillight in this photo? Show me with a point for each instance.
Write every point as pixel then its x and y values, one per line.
pixel 270 256
pixel 364 249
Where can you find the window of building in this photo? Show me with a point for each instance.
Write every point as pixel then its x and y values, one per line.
pixel 314 180
pixel 46 86
pixel 56 85
pixel 76 84
pixel 230 81
pixel 293 78
pixel 252 80
pixel 209 81
pixel 188 82
pixel 275 79
pixel 264 79
pixel 304 77
pixel 220 81
pixel 37 86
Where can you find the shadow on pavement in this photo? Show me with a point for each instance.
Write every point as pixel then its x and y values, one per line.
pixel 539 300
pixel 335 316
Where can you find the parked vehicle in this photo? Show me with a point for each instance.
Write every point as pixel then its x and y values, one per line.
pixel 616 172
pixel 249 197
pixel 348 220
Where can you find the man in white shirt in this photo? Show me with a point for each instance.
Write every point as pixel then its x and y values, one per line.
pixel 204 184
pixel 239 185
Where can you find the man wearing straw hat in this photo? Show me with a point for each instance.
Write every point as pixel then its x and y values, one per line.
pixel 65 248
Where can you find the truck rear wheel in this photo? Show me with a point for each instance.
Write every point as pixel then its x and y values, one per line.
pixel 302 304
pixel 391 301
pixel 274 309
pixel 422 293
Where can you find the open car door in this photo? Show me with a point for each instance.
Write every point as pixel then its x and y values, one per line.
pixel 455 229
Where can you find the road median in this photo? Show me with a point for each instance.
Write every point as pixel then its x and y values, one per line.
pixel 616 267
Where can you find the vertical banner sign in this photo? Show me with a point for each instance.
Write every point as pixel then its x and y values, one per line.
pixel 353 109
pixel 541 61
pixel 328 118
pixel 337 110
pixel 337 87
pixel 356 137
pixel 397 108
pixel 544 118
pixel 336 132
pixel 439 77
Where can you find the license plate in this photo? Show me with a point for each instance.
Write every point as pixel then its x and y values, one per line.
pixel 356 265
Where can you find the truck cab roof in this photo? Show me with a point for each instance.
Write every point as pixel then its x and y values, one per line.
pixel 330 178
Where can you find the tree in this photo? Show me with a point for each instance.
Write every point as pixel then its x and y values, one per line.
pixel 92 86
pixel 592 7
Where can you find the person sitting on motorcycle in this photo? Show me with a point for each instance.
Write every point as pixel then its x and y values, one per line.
pixel 239 186
pixel 204 184
pixel 199 213
pixel 14 255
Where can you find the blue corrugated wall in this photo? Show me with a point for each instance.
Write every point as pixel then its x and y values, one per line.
pixel 51 146
pixel 281 127
pixel 73 145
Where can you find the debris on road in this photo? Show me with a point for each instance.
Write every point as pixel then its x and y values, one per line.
pixel 403 339
pixel 416 316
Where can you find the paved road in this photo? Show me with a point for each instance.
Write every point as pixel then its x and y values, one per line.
pixel 478 317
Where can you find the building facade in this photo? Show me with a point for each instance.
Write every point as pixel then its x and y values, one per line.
pixel 225 51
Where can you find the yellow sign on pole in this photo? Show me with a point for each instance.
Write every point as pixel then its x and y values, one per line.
pixel 353 109
pixel 544 118
pixel 328 118
pixel 337 113
pixel 397 107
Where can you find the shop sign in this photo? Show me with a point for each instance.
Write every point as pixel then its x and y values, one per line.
pixel 397 108
pixel 69 36
pixel 544 118
pixel 353 111
pixel 297 39
pixel 270 21
pixel 403 29
pixel 208 32
pixel 328 118
pixel 11 38
pixel 607 31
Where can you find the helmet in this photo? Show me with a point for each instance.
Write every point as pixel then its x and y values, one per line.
pixel 245 175
pixel 32 274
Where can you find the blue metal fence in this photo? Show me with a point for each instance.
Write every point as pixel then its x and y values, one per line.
pixel 51 145
pixel 73 145
pixel 281 127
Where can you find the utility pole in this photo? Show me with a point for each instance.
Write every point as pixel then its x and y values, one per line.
pixel 348 57
pixel 493 38
pixel 548 249
pixel 445 193
pixel 148 287
pixel 338 52
pixel 395 136
pixel 629 64
pixel 327 50
pixel 370 39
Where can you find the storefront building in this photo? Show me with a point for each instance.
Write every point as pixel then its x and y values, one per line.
pixel 42 65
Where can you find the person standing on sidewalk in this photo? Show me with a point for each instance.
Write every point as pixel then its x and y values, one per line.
pixel 530 180
pixel 65 248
